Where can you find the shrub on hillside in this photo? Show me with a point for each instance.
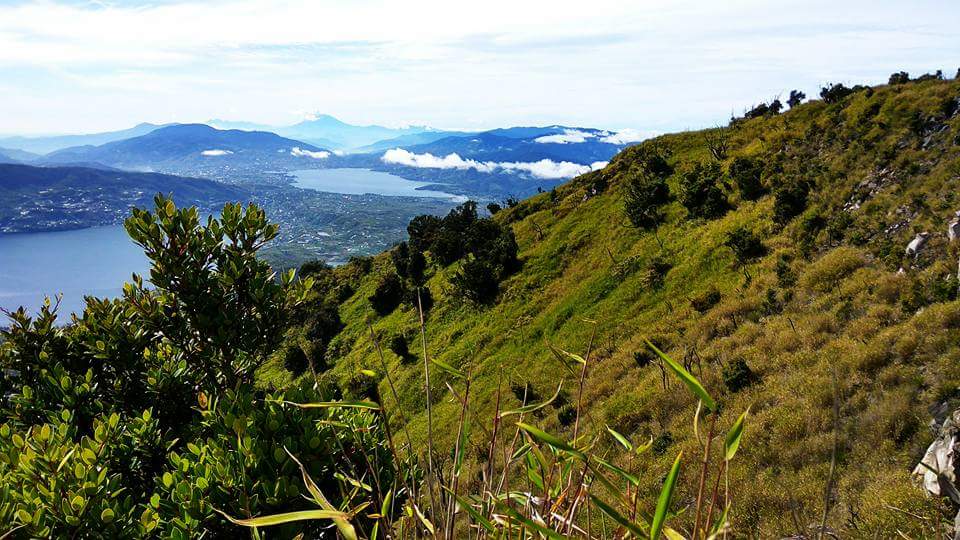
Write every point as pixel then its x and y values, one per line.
pixel 833 93
pixel 701 191
pixel 737 375
pixel 796 98
pixel 746 175
pixel 477 282
pixel 703 302
pixel 398 345
pixel 645 193
pixel 493 208
pixel 790 200
pixel 899 78
pixel 746 245
pixel 295 360
pixel 388 295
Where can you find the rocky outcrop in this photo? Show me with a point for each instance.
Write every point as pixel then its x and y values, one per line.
pixel 940 467
pixel 916 245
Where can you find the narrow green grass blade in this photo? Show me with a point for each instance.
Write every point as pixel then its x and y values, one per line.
pixel 732 443
pixel 448 368
pixel 550 440
pixel 619 518
pixel 618 471
pixel 278 519
pixel 663 502
pixel 692 383
pixel 532 407
pixel 369 405
pixel 343 525
pixel 529 523
pixel 476 515
pixel 625 442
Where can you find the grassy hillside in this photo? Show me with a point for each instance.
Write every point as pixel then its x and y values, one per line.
pixel 821 318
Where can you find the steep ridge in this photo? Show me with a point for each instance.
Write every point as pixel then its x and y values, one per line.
pixel 800 300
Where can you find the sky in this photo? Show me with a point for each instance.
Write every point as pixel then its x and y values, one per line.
pixel 652 65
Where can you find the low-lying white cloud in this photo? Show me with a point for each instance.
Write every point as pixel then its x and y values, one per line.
pixel 569 136
pixel 624 136
pixel 216 152
pixel 545 168
pixel 296 151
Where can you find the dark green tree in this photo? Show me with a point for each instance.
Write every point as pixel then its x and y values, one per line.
pixel 701 191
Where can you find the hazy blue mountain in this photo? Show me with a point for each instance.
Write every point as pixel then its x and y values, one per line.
pixel 346 136
pixel 60 198
pixel 14 155
pixel 507 145
pixel 413 139
pixel 47 144
pixel 198 150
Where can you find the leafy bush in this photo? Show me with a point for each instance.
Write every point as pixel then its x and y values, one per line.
pixel 398 345
pixel 493 208
pixel 737 375
pixel 701 191
pixel 745 245
pixel 790 200
pixel 477 282
pixel 746 173
pixel 388 295
pixel 295 360
pixel 644 194
pixel 833 93
pixel 796 98
pixel 703 302
pixel 901 77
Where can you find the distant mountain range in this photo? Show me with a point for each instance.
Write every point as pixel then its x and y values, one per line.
pixel 60 198
pixel 196 149
pixel 47 144
pixel 496 163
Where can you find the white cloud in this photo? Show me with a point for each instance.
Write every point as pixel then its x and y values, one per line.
pixel 625 136
pixel 216 153
pixel 545 168
pixel 568 136
pixel 296 151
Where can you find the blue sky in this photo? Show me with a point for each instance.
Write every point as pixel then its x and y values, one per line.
pixel 83 66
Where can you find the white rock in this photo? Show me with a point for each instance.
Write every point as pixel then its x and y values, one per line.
pixel 915 245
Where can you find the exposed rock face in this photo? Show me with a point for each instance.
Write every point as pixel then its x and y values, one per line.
pixel 953 228
pixel 940 467
pixel 915 245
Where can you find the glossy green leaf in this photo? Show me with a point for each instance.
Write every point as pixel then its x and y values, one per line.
pixel 550 440
pixel 732 443
pixel 619 518
pixel 278 519
pixel 692 383
pixel 534 406
pixel 663 502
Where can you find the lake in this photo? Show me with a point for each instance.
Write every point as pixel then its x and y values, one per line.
pixel 99 260
pixel 363 181
pixel 95 261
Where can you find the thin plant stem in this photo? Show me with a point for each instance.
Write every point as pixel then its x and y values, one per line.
pixel 703 475
pixel 426 387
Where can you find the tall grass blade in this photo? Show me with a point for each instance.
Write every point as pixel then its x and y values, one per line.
pixel 278 519
pixel 692 383
pixel 550 440
pixel 663 502
pixel 619 518
pixel 625 442
pixel 344 526
pixel 477 516
pixel 368 405
pixel 732 443
pixel 532 407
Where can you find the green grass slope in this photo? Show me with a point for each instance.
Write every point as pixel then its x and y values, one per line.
pixel 824 311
